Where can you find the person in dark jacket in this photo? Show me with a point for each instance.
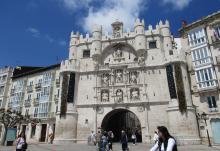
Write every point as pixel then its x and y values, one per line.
pixel 166 142
pixel 124 141
pixel 110 140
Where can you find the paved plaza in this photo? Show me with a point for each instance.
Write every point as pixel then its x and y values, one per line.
pixel 117 147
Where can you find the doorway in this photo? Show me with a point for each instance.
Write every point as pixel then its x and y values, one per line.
pixel 122 119
pixel 43 132
pixel 216 130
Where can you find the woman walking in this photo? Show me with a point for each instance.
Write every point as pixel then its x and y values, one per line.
pixel 21 142
pixel 166 142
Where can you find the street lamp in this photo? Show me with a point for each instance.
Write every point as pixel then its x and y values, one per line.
pixel 204 117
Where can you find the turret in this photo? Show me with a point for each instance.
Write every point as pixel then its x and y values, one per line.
pixel 140 39
pixel 96 42
pixel 73 45
pixel 167 39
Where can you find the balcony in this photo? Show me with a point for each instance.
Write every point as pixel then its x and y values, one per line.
pixel 36 101
pixel 210 85
pixel 202 62
pixel 57 82
pixel 70 66
pixel 38 86
pixel 44 115
pixel 29 88
pixel 27 103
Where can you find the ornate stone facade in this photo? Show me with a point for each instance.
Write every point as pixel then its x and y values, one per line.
pixel 126 73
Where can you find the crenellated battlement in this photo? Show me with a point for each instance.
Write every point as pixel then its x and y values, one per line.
pixel 161 28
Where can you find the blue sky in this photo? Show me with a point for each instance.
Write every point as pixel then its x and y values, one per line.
pixel 36 32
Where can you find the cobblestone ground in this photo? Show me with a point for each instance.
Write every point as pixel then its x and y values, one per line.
pixel 116 147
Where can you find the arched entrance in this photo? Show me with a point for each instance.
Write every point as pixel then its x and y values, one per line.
pixel 122 119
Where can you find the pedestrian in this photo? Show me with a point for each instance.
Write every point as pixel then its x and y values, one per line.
pixel 110 140
pixel 166 142
pixel 155 137
pixel 98 140
pixel 51 135
pixel 104 142
pixel 91 138
pixel 21 142
pixel 124 141
pixel 133 138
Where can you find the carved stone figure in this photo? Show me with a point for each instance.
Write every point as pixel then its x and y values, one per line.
pixel 117 32
pixel 133 77
pixel 105 96
pixel 141 60
pixel 134 93
pixel 118 53
pixel 105 78
pixel 119 95
pixel 119 76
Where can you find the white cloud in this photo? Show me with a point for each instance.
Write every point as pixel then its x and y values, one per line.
pixel 123 10
pixel 35 32
pixel 72 5
pixel 62 43
pixel 177 4
pixel 49 38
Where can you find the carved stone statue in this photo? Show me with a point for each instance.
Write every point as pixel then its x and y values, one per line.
pixel 105 96
pixel 118 53
pixel 133 77
pixel 105 78
pixel 117 32
pixel 119 76
pixel 119 95
pixel 134 94
pixel 141 60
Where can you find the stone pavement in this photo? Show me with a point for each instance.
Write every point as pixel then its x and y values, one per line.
pixel 116 147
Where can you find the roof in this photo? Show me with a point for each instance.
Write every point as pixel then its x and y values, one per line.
pixel 203 20
pixel 22 71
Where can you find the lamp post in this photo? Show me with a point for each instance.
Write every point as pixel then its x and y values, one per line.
pixel 204 117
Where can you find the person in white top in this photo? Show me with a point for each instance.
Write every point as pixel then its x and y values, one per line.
pixel 155 137
pixel 165 142
pixel 20 142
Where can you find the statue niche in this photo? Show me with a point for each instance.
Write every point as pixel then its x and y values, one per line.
pixel 119 96
pixel 134 94
pixel 133 77
pixel 105 79
pixel 105 96
pixel 119 76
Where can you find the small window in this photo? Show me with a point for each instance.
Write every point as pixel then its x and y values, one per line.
pixel 86 53
pixel 152 44
pixel 171 52
pixel 212 102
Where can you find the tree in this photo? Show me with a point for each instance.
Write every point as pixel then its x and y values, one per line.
pixel 11 119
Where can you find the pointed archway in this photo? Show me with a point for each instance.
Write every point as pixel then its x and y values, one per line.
pixel 122 119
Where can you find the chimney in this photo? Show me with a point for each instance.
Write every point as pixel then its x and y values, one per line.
pixel 184 23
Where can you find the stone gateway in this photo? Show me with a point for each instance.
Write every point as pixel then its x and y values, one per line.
pixel 126 81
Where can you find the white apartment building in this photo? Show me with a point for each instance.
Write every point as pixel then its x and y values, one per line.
pixel 5 77
pixel 35 92
pixel 201 42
